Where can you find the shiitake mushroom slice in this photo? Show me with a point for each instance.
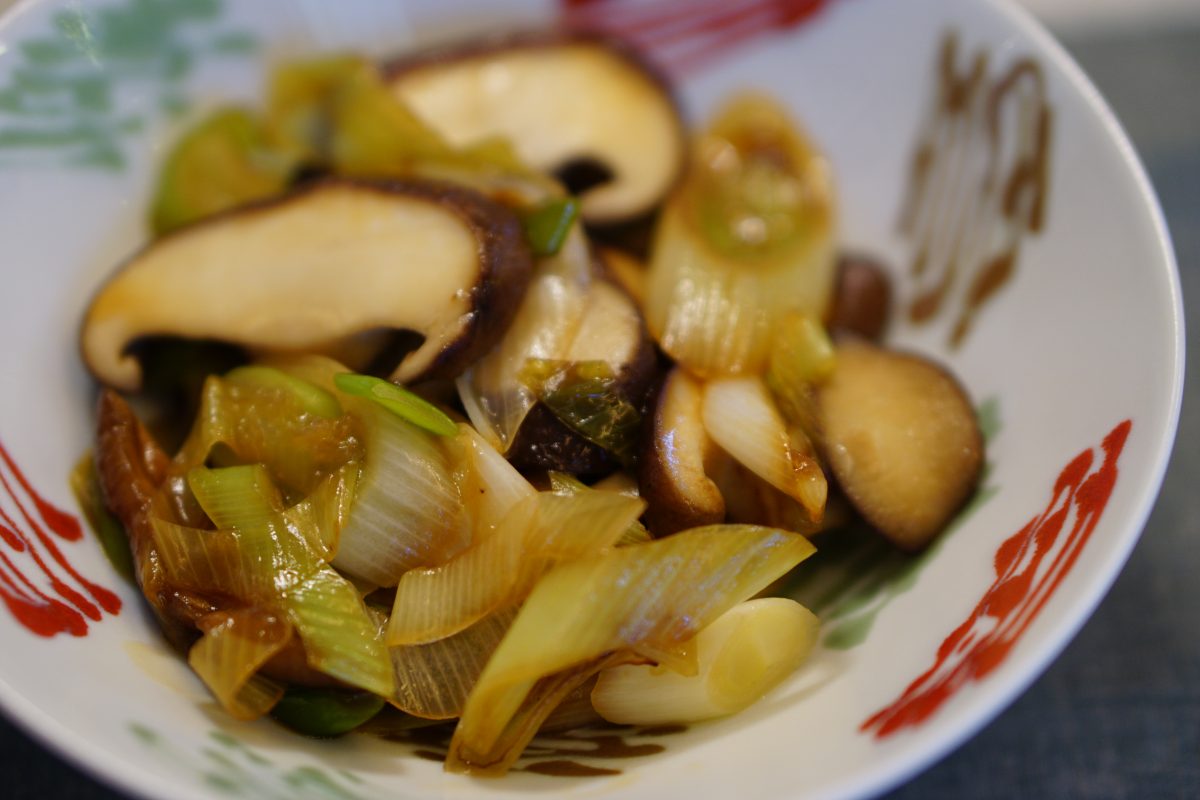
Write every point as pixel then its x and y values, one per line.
pixel 578 105
pixel 314 269
pixel 901 438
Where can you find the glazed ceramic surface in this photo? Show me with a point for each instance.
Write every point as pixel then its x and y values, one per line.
pixel 970 155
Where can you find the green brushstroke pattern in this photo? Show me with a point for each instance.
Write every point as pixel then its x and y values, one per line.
pixel 231 768
pixel 62 103
pixel 856 574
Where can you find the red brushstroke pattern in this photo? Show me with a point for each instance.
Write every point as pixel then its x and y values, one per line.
pixel 1030 565
pixel 57 599
pixel 686 35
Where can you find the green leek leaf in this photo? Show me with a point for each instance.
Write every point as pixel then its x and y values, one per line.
pixel 312 398
pixel 547 225
pixel 223 162
pixel 340 637
pixel 85 485
pixel 280 556
pixel 399 401
pixel 325 713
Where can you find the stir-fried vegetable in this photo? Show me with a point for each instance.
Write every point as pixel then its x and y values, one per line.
pixel 274 564
pixel 561 483
pixel 330 540
pixel 547 226
pixel 434 680
pixel 492 393
pixel 223 162
pixel 326 713
pixel 400 402
pixel 740 417
pixel 499 570
pixel 584 395
pixel 742 655
pixel 745 240
pixel 660 593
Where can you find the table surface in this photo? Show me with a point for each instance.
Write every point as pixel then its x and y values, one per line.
pixel 1118 715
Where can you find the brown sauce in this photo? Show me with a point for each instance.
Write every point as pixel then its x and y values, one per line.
pixel 567 769
pixel 978 182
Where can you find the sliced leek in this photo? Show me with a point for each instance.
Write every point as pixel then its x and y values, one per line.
pixel 398 400
pixel 661 593
pixel 741 417
pixel 489 485
pixel 545 326
pixel 499 570
pixel 742 655
pixel 433 680
pixel 233 648
pixel 409 511
pixel 223 162
pixel 312 398
pixel 437 602
pixel 617 483
pixel 801 358
pixel 248 419
pixel 747 238
pixel 273 562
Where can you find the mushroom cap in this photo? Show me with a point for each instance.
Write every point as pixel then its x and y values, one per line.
pixel 328 262
pixel 559 99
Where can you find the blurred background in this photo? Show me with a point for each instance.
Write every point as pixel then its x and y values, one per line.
pixel 1118 715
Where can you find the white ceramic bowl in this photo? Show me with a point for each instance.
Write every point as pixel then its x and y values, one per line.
pixel 1077 361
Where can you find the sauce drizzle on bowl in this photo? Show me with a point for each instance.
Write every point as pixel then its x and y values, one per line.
pixel 26 521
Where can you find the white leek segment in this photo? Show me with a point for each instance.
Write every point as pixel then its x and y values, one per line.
pixel 433 680
pixel 802 357
pixel 740 416
pixel 326 511
pixel 617 483
pixel 580 525
pixel 499 570
pixel 440 601
pixel 408 512
pixel 234 646
pixel 742 655
pixel 340 638
pixel 274 424
pixel 489 485
pixel 660 593
pixel 544 327
pixel 747 238
pixel 750 499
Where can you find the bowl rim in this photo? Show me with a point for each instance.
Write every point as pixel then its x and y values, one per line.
pixel 1003 688
pixel 916 755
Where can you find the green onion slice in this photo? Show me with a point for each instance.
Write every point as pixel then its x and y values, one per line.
pixel 547 225
pixel 398 400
